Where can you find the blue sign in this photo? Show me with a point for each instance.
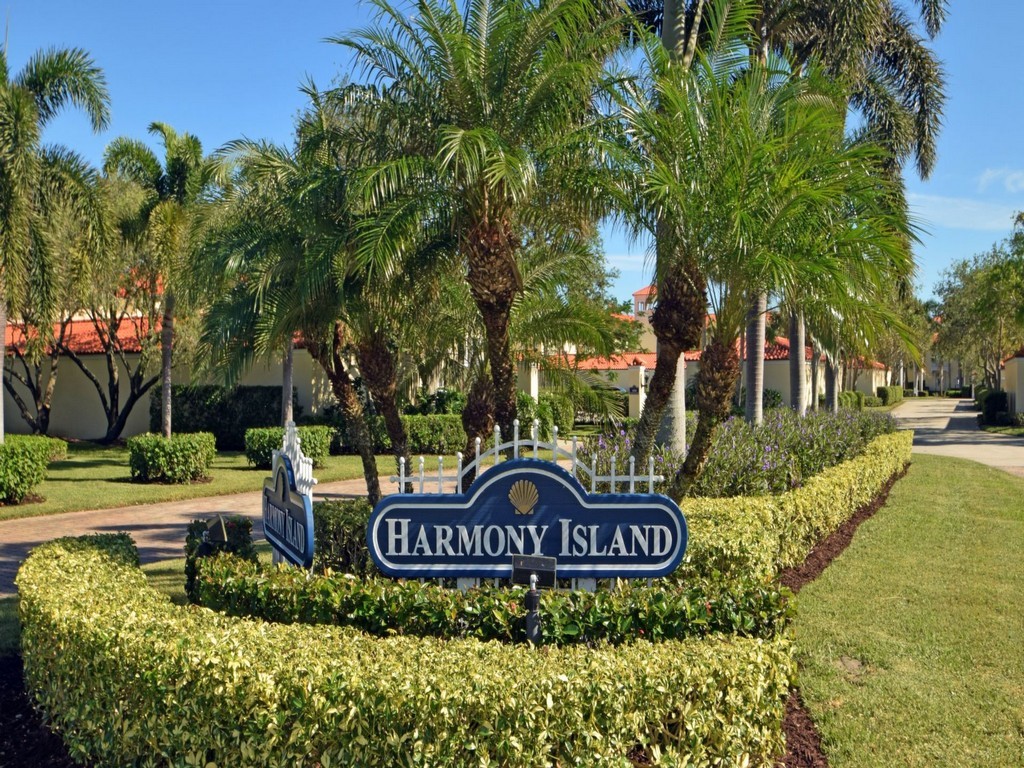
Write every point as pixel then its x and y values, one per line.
pixel 288 515
pixel 527 507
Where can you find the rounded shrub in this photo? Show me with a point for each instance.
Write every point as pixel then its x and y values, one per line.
pixel 23 462
pixel 563 412
pixel 339 533
pixel 261 442
pixel 184 458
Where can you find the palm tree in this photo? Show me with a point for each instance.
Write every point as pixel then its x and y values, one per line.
pixel 498 101
pixel 744 162
pixel 33 176
pixel 176 190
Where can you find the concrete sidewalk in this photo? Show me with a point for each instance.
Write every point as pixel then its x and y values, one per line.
pixel 158 529
pixel 949 427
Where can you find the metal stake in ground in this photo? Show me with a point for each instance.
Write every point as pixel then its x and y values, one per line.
pixel 537 572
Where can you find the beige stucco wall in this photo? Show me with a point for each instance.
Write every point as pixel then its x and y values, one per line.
pixel 1013 383
pixel 77 412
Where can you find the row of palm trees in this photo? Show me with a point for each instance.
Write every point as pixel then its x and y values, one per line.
pixel 446 206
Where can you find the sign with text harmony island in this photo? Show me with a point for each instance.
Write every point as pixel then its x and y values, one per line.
pixel 527 507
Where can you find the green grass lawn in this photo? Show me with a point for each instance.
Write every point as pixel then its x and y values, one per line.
pixel 911 644
pixel 95 477
pixel 1010 431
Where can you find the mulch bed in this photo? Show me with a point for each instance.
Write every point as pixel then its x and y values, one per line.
pixel 25 740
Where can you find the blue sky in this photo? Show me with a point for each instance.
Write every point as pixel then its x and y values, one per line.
pixel 222 70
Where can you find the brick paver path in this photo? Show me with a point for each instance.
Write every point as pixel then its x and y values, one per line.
pixel 158 529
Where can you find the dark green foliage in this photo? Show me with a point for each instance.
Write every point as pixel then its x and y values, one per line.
pixel 226 412
pixel 261 442
pixel 22 467
pixel 443 402
pixel 57 449
pixel 771 398
pixel 528 410
pixel 198 545
pixel 870 401
pixel 339 535
pixel 996 408
pixel 849 399
pixel 383 607
pixel 438 434
pixel 182 459
pixel 563 413
pixel 890 395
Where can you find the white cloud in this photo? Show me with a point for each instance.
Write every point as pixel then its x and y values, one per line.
pixel 961 213
pixel 1013 181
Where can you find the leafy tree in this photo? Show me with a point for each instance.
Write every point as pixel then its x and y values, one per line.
pixel 34 177
pixel 122 302
pixel 982 321
pixel 176 193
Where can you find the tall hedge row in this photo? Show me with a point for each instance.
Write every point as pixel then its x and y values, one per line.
pixel 128 678
pixel 225 412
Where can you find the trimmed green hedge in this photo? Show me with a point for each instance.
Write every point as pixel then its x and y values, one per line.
pixel 851 399
pixel 435 434
pixel 227 412
pixel 23 462
pixel 261 442
pixel 890 395
pixel 128 678
pixel 665 611
pixel 57 449
pixel 182 459
pixel 756 536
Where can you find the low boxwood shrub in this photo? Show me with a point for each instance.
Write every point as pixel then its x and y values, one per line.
pixel 851 399
pixel 57 449
pixel 261 442
pixel 890 395
pixel 129 678
pixel 753 536
pixel 339 535
pixel 441 401
pixel 870 401
pixel 185 458
pixel 199 544
pixel 23 463
pixel 665 611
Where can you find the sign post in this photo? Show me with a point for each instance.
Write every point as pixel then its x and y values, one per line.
pixel 288 502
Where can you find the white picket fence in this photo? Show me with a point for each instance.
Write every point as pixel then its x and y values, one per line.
pixel 532 448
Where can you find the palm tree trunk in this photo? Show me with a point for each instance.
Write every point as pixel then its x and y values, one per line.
pixel 678 322
pixel 815 363
pixel 755 358
pixel 333 365
pixel 166 349
pixel 379 369
pixel 672 431
pixel 797 364
pixel 831 385
pixel 287 387
pixel 659 393
pixel 719 369
pixel 477 419
pixel 499 356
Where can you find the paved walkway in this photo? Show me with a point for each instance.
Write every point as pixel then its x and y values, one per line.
pixel 949 427
pixel 158 529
